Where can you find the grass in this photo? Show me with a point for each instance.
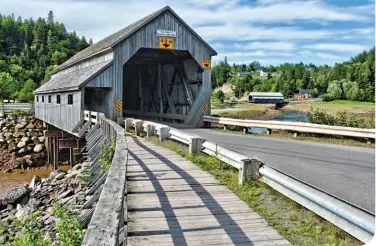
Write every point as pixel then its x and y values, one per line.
pixel 294 222
pixel 261 114
pixel 346 141
pixel 336 106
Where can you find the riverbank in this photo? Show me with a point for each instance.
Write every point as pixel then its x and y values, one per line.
pixel 46 212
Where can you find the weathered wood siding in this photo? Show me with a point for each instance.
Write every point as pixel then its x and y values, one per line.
pixel 146 38
pixel 63 115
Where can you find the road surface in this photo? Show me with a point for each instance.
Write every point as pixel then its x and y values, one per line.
pixel 345 172
pixel 14 106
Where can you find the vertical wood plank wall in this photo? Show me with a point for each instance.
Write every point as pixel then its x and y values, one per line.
pixel 61 115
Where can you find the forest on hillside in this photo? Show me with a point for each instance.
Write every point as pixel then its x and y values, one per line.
pixel 350 80
pixel 29 51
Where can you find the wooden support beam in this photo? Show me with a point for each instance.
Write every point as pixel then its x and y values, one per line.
pixel 169 100
pixel 57 133
pixel 171 86
pixel 187 87
pixel 77 151
pixel 140 96
pixel 159 84
pixel 71 143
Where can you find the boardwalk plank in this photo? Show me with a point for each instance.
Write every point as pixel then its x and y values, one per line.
pixel 173 202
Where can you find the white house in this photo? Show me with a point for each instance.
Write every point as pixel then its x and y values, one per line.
pixel 263 74
pixel 242 74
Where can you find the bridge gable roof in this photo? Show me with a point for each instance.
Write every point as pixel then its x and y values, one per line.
pixel 117 37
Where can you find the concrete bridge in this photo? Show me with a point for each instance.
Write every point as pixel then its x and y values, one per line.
pixel 158 69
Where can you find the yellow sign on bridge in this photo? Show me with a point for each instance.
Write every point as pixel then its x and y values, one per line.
pixel 166 43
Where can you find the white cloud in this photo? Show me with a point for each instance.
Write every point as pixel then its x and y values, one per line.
pixel 353 48
pixel 331 56
pixel 266 45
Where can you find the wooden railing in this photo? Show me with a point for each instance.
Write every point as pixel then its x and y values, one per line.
pixel 108 224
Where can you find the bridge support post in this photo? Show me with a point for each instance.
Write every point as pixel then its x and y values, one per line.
pixel 120 121
pixel 295 134
pixel 195 145
pixel 128 124
pixel 245 130
pixel 224 127
pixel 369 141
pixel 149 130
pixel 269 131
pixel 138 127
pixel 249 168
pixel 163 133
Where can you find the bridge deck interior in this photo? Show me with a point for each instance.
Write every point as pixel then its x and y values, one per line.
pixel 171 201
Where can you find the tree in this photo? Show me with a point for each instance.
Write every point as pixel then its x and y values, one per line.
pixel 6 81
pixel 334 91
pixel 314 93
pixel 220 95
pixel 50 19
pixel 26 93
pixel 353 92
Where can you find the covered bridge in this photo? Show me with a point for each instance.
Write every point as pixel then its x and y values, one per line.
pixel 157 67
pixel 266 97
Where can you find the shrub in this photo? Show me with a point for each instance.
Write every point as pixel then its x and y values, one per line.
pixel 334 90
pixel 106 155
pixel 326 98
pixel 314 93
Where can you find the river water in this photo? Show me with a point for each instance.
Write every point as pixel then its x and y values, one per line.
pixel 20 177
pixel 289 116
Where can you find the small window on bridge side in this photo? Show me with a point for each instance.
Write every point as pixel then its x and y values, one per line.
pixel 49 98
pixel 58 99
pixel 70 99
pixel 37 97
pixel 42 99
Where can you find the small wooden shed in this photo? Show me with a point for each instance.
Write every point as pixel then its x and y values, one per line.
pixel 156 68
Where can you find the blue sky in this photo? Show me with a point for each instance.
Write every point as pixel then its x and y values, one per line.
pixel 270 31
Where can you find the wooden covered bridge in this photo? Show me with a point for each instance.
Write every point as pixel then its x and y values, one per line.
pixel 157 68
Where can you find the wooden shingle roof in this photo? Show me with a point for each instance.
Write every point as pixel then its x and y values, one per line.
pixel 117 37
pixel 72 80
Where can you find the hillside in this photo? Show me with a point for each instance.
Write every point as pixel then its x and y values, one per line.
pixel 29 49
pixel 350 80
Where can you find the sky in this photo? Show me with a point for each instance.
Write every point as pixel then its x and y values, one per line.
pixel 269 31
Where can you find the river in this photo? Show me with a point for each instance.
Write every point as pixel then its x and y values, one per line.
pixel 287 115
pixel 20 177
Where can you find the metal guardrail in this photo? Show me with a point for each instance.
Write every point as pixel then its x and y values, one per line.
pixel 355 221
pixel 108 226
pixel 295 126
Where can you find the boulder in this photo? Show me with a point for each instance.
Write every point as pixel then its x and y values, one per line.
pixel 30 126
pixel 22 150
pixel 9 170
pixel 38 148
pixel 73 174
pixel 15 195
pixel 60 176
pixel 36 180
pixel 19 126
pixel 23 212
pixel 77 167
pixel 21 144
pixel 65 194
pixel 2 140
pixel 53 174
pixel 41 139
pixel 25 139
pixel 12 146
pixel 7 134
pixel 19 134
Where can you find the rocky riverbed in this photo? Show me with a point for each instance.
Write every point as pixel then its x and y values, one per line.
pixel 41 195
pixel 21 143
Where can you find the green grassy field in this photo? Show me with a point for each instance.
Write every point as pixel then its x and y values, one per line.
pixel 336 106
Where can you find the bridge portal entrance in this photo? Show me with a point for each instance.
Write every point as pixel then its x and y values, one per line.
pixel 161 84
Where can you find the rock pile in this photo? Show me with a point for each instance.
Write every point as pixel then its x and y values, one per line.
pixel 21 143
pixel 64 186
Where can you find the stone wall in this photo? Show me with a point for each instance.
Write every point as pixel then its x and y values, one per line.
pixel 21 143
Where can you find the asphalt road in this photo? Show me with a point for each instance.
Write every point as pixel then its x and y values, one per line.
pixel 14 106
pixel 345 172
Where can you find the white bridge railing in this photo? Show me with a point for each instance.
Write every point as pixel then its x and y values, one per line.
pixel 355 221
pixel 294 126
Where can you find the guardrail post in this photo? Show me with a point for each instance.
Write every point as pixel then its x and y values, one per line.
pixel 249 167
pixel 245 130
pixel 269 131
pixel 138 127
pixel 295 134
pixel 195 145
pixel 163 133
pixel 149 130
pixel 127 124
pixel 224 127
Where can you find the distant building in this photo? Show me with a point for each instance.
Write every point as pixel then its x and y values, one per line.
pixel 303 93
pixel 263 74
pixel 266 97
pixel 243 74
pixel 275 74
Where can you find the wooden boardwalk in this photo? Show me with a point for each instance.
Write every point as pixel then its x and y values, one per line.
pixel 171 201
